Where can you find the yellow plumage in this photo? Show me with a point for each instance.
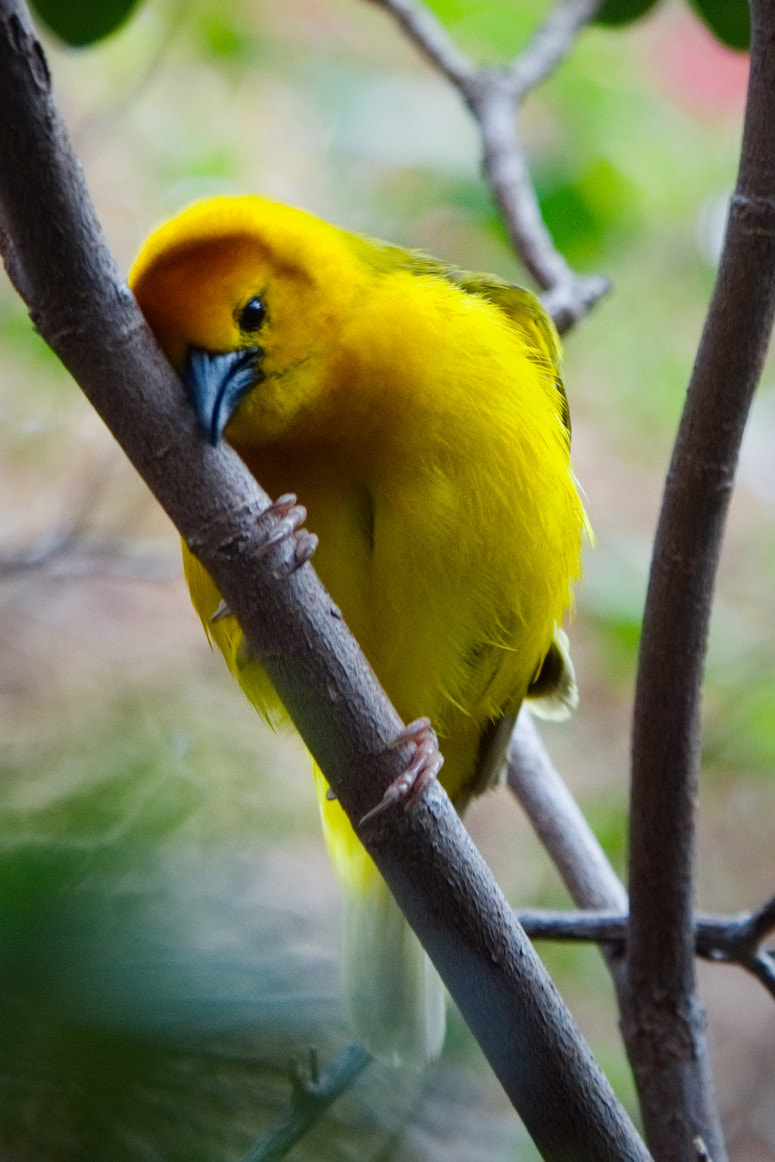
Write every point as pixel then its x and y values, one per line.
pixel 418 413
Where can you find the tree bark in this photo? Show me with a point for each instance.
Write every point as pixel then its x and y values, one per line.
pixel 662 1018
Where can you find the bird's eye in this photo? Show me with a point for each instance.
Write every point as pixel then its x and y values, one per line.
pixel 252 315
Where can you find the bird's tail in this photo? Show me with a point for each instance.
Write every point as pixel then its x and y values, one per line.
pixel 392 993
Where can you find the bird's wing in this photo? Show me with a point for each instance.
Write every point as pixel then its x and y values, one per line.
pixel 553 693
pixel 521 308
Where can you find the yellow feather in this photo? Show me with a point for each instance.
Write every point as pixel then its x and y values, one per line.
pixel 418 413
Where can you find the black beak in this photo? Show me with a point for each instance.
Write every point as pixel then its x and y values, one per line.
pixel 217 384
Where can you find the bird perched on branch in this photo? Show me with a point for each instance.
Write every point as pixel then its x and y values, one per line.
pixel 418 412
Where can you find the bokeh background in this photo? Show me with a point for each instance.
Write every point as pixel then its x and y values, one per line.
pixel 170 930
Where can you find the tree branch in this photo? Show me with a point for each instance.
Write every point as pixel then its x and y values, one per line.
pixel 432 39
pixel 727 939
pixel 551 43
pixel 559 823
pixel 739 941
pixel 762 922
pixel 662 1019
pixel 82 306
pixel 494 97
pixel 565 833
pixel 312 1096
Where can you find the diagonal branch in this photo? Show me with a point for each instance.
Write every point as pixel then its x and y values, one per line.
pixel 762 922
pixel 559 823
pixel 81 304
pixel 565 834
pixel 312 1096
pixel 552 43
pixel 662 1019
pixel 494 97
pixel 763 967
pixel 432 39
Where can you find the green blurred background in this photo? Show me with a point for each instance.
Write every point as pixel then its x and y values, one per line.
pixel 170 938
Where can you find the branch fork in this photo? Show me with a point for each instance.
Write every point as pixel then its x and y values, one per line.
pixel 495 96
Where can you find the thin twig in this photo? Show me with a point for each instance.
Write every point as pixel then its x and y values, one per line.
pixel 66 553
pixel 494 97
pixel 432 39
pixel 763 967
pixel 576 927
pixel 763 920
pixel 73 549
pixel 594 885
pixel 663 1021
pixel 311 1097
pixel 551 43
pixel 720 939
pixel 739 940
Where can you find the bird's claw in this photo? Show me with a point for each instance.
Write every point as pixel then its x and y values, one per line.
pixel 412 783
pixel 289 518
pixel 222 611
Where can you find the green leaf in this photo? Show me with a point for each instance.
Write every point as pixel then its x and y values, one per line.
pixel 728 20
pixel 615 12
pixel 79 24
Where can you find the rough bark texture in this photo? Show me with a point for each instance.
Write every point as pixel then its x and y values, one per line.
pixel 663 1020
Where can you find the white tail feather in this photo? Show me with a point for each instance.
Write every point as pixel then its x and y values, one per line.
pixel 394 997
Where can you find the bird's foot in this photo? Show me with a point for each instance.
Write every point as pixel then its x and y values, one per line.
pixel 221 612
pixel 289 517
pixel 411 784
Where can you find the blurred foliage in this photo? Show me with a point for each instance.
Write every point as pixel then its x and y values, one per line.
pixel 157 988
pixel 614 12
pixel 495 25
pixel 170 916
pixel 729 20
pixel 80 24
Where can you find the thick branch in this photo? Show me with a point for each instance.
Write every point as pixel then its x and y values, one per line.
pixel 81 305
pixel 663 1021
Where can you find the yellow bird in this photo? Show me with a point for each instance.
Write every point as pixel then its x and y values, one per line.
pixel 418 412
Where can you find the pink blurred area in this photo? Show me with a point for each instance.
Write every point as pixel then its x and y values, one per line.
pixel 695 69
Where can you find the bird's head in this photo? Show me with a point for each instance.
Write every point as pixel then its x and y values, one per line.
pixel 247 299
